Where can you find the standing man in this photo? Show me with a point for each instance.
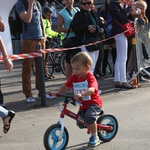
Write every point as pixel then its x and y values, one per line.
pixel 33 34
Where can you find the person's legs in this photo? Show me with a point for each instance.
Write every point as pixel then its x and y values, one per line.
pixel 105 60
pixel 120 65
pixel 94 56
pixel 68 70
pixel 7 117
pixel 26 69
pixel 3 112
pixel 90 118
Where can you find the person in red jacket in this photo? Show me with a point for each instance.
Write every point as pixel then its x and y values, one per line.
pixel 85 91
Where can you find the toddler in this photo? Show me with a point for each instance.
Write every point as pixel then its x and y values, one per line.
pixel 86 87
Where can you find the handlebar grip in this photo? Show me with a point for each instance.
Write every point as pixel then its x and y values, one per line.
pixel 80 98
pixel 57 95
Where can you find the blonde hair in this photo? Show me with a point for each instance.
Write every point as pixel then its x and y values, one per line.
pixel 140 3
pixel 82 57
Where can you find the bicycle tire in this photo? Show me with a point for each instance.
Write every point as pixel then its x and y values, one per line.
pixel 51 141
pixel 108 120
pixel 49 64
pixel 108 68
pixel 62 63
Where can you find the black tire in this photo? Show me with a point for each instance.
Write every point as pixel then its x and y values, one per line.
pixel 51 135
pixel 62 63
pixel 49 64
pixel 108 68
pixel 108 120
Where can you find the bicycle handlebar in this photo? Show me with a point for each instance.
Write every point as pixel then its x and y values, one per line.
pixel 69 98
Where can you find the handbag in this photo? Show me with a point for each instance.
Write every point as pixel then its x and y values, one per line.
pixel 69 42
pixel 94 46
pixel 127 28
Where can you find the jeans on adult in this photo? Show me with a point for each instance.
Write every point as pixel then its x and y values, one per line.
pixel 94 56
pixel 3 112
pixel 120 64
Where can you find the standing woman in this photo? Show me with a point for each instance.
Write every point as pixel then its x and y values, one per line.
pixel 120 11
pixel 65 17
pixel 87 24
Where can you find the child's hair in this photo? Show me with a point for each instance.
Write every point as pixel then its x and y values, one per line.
pixel 82 57
pixel 140 3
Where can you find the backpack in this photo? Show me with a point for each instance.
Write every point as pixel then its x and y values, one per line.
pixel 18 22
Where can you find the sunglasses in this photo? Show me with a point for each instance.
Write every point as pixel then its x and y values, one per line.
pixel 88 3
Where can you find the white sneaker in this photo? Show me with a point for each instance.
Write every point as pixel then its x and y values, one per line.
pixel 147 61
pixel 30 100
pixel 100 92
pixel 50 97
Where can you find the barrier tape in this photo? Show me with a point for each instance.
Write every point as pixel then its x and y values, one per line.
pixel 40 52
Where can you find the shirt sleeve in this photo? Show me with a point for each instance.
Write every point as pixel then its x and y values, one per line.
pixel 70 81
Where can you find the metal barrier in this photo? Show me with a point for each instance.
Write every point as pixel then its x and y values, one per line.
pixel 141 36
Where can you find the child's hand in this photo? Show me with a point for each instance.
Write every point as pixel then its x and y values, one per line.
pixel 54 93
pixel 78 97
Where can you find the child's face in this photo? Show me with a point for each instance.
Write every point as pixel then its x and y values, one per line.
pixel 79 69
pixel 142 8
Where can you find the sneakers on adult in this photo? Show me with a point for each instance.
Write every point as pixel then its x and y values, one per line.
pixel 50 97
pixel 30 100
pixel 94 141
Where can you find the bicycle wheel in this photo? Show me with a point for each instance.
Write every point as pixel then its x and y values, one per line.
pixel 49 66
pixel 62 63
pixel 108 68
pixel 33 67
pixel 51 138
pixel 108 120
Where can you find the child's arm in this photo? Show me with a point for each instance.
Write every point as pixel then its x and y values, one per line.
pixel 62 90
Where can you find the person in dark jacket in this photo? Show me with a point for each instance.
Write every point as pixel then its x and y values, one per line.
pixel 120 11
pixel 86 24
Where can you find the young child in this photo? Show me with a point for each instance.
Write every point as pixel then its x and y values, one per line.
pixel 139 11
pixel 86 87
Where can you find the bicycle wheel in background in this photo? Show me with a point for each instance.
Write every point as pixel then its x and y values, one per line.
pixel 62 63
pixel 108 68
pixel 49 67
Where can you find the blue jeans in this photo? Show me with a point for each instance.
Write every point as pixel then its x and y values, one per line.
pixel 3 112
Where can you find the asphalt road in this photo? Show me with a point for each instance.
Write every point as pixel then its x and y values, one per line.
pixel 131 108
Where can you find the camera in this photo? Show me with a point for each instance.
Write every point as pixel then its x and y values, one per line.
pixel 99 30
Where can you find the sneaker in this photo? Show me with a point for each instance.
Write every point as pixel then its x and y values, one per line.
pixel 50 97
pixel 30 100
pixel 94 141
pixel 100 92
